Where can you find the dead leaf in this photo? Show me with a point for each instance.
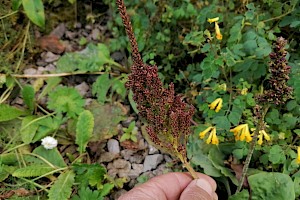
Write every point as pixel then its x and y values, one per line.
pixel 238 170
pixel 51 43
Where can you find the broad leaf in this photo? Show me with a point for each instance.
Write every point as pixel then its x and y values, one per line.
pixel 62 187
pixel 28 96
pixel 51 155
pixel 271 185
pixel 84 130
pixel 34 9
pixel 8 112
pixel 66 100
pixel 32 171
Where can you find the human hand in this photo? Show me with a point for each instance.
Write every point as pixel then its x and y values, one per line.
pixel 174 186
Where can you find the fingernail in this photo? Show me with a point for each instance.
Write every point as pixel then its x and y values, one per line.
pixel 205 185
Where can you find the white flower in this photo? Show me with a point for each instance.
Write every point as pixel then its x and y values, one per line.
pixel 49 142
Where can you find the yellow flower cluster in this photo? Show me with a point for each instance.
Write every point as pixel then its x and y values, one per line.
pixel 219 36
pixel 212 138
pixel 262 134
pixel 241 132
pixel 216 105
pixel 298 156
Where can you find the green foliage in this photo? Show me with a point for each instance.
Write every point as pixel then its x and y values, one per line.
pixel 32 171
pixel 34 10
pixel 280 186
pixel 92 174
pixel 93 58
pixel 84 130
pixel 130 133
pixel 62 187
pixel 8 112
pixel 104 83
pixel 105 127
pixel 66 100
pixel 28 96
pixel 51 155
pixel 87 194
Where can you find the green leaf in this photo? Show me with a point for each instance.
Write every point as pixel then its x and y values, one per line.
pixel 62 187
pixel 8 112
pixel 51 155
pixel 28 96
pixel 107 187
pixel 34 9
pixel 297 186
pixel 217 159
pixel 8 159
pixel 91 59
pixel 32 171
pixel 101 87
pixel 221 122
pixel 105 127
pixel 28 129
pixel 51 84
pixel 243 195
pixel 276 154
pixel 86 193
pixel 90 174
pixel 132 102
pixel 66 100
pixel 15 4
pixel 84 130
pixel 271 185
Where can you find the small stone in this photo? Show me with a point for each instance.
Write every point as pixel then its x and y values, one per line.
pixel 113 172
pixel 136 170
pixel 71 35
pixel 127 153
pixel 113 146
pixel 168 158
pixel 95 34
pixel 120 163
pixel 137 158
pixel 50 68
pixel 109 166
pixel 30 71
pixel 59 31
pixel 117 194
pixel 152 161
pixel 41 63
pixel 117 56
pixel 152 150
pixel 107 157
pixel 88 27
pixel 142 144
pixel 82 88
pixel 126 122
pixel 78 25
pixel 50 57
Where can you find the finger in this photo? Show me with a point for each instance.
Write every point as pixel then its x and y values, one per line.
pixel 200 189
pixel 164 187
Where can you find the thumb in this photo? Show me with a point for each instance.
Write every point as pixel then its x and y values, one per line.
pixel 199 189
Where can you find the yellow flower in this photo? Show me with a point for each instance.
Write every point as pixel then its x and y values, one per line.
pixel 216 104
pixel 219 36
pixel 241 132
pixel 244 91
pixel 203 133
pixel 211 20
pixel 298 157
pixel 212 138
pixel 262 135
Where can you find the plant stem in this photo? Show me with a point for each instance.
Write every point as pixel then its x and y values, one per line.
pixel 193 173
pixel 251 150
